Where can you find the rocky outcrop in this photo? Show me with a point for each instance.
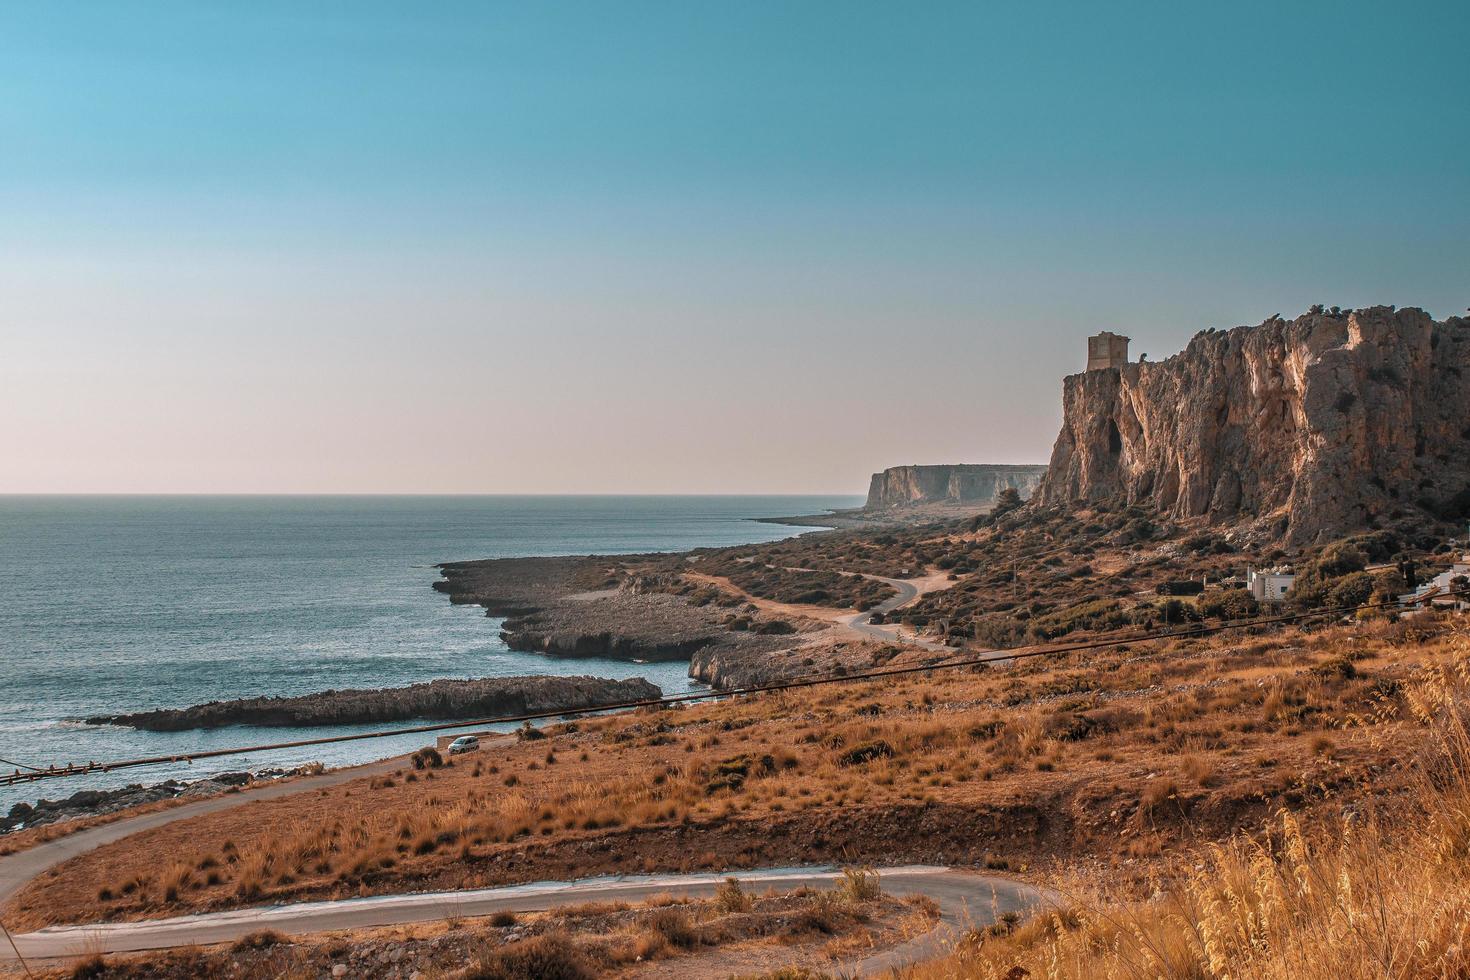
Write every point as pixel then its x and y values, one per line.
pixel 442 699
pixel 1308 428
pixel 93 802
pixel 960 483
pixel 727 670
pixel 524 636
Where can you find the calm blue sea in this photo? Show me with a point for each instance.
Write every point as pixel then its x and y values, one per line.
pixel 114 604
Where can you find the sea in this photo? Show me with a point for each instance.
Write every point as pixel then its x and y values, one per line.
pixel 114 604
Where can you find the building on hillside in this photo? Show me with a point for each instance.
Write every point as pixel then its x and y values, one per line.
pixel 1106 350
pixel 1270 584
pixel 1443 590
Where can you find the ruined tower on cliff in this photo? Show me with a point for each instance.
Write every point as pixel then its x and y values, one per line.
pixel 1106 350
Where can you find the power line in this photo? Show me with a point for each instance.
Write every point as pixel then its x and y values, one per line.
pixel 21 765
pixel 993 657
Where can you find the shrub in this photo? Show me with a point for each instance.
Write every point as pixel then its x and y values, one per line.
pixel 860 885
pixel 1099 614
pixel 773 627
pixel 1340 559
pixel 1156 794
pixel 1336 667
pixel 264 939
pixel 1351 590
pixel 998 631
pixel 1181 586
pixel 729 897
pixel 427 757
pixel 548 957
pixel 866 752
pixel 1227 604
pixel 1006 501
pixel 674 925
pixel 92 966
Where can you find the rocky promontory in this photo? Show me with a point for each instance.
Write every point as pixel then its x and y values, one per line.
pixel 960 483
pixel 441 699
pixel 593 606
pixel 1307 428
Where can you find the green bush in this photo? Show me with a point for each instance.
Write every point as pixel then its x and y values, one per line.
pixel 1340 559
pixel 1180 586
pixel 1351 590
pixel 1227 604
pixel 1100 614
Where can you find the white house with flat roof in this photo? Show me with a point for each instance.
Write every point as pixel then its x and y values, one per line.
pixel 1270 584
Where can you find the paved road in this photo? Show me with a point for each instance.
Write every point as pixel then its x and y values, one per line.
pixel 17 870
pixel 964 899
pixel 907 593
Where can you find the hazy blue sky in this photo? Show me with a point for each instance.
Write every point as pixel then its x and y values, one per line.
pixel 679 246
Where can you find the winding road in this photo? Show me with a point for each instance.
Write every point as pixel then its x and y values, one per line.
pixel 965 900
pixel 908 590
pixel 17 870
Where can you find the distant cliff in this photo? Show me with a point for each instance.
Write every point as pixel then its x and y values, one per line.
pixel 1310 427
pixel 977 483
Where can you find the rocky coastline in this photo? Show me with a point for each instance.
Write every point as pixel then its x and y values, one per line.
pixel 94 803
pixel 440 699
pixel 604 607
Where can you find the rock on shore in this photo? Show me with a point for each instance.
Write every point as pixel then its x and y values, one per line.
pixel 441 699
pixel 94 802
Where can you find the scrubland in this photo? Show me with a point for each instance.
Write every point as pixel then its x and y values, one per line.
pixel 1277 801
pixel 1103 761
pixel 1380 889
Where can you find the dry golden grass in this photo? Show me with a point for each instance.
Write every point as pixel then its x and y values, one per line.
pixel 1381 892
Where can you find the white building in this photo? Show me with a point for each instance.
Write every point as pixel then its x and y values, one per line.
pixel 1437 591
pixel 1270 584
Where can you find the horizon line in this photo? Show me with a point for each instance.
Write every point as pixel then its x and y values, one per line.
pixel 425 493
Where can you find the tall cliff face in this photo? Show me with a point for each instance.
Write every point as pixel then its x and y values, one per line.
pixel 1314 426
pixel 977 483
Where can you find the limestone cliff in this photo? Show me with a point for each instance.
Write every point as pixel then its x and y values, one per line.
pixel 976 483
pixel 1310 427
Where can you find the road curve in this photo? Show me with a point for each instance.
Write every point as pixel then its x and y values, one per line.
pixel 17 870
pixel 965 899
pixel 907 592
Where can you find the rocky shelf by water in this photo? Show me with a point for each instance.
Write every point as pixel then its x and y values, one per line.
pixel 92 802
pixel 441 699
pixel 590 606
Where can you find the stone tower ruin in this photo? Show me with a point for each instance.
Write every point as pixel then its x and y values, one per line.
pixel 1106 350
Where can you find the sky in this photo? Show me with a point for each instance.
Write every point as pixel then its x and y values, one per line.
pixel 682 247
